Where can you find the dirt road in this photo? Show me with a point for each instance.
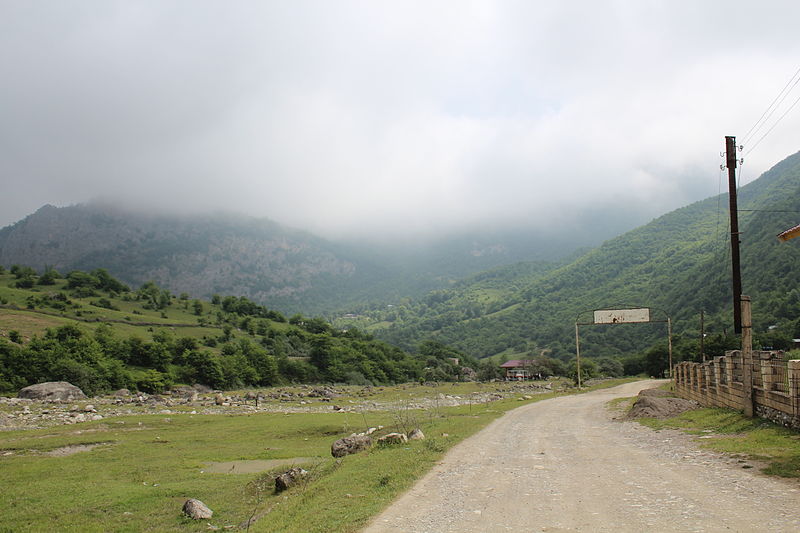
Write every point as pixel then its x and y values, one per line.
pixel 564 465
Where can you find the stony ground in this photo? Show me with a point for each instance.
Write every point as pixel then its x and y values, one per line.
pixel 565 465
pixel 18 413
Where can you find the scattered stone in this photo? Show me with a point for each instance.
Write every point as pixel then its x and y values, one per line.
pixel 350 445
pixel 416 434
pixel 89 409
pixel 121 393
pixel 52 391
pixel 393 438
pixel 289 478
pixel 196 510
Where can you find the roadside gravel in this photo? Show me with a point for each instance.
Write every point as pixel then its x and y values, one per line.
pixel 564 465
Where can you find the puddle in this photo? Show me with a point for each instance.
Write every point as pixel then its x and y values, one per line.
pixel 256 465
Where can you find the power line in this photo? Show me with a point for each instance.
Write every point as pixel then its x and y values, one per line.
pixel 766 211
pixel 775 124
pixel 772 107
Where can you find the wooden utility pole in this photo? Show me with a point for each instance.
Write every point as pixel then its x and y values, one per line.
pixel 730 159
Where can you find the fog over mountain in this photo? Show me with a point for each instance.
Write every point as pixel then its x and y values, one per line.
pixel 353 119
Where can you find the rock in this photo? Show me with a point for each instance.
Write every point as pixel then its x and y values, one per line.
pixel 289 478
pixel 349 445
pixel 416 434
pixel 89 409
pixel 121 393
pixel 196 510
pixel 219 399
pixel 52 391
pixel 393 438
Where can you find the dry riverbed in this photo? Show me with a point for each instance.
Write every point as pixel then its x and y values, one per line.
pixel 18 413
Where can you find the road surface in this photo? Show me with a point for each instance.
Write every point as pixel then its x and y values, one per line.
pixel 565 465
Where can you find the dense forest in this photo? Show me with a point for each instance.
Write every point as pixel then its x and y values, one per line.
pixel 90 329
pixel 679 265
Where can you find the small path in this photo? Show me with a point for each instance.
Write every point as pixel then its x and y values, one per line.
pixel 564 465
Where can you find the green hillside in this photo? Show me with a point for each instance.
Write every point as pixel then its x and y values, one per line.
pixel 270 264
pixel 678 264
pixel 93 331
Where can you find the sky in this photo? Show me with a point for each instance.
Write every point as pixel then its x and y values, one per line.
pixel 362 118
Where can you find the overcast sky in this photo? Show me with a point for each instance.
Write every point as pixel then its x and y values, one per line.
pixel 362 117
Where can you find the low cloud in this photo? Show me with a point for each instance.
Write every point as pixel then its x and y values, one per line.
pixel 361 119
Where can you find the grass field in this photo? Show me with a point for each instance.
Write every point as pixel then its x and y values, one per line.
pixel 729 431
pixel 135 472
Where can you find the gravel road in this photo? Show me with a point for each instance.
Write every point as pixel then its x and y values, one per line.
pixel 565 465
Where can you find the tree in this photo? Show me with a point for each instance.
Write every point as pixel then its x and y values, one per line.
pixel 49 276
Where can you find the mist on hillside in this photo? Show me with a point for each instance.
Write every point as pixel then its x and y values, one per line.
pixel 377 121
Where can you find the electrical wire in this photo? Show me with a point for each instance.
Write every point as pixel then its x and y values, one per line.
pixel 772 107
pixel 773 126
pixel 765 211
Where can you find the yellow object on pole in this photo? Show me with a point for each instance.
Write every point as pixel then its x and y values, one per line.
pixel 789 234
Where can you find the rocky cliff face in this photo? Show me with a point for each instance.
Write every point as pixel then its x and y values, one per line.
pixel 222 254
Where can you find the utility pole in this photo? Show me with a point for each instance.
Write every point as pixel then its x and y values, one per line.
pixel 730 159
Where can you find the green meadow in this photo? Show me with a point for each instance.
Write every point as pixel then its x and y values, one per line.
pixel 133 473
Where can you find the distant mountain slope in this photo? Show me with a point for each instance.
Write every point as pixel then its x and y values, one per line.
pixel 222 254
pixel 286 269
pixel 678 263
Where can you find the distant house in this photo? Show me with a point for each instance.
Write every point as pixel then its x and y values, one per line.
pixel 519 370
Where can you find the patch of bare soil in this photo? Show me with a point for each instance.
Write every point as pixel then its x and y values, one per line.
pixel 658 403
pixel 73 449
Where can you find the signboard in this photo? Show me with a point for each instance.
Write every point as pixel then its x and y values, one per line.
pixel 622 316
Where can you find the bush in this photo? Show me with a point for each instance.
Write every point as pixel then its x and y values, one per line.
pixel 153 382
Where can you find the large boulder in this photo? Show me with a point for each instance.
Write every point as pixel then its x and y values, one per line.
pixel 196 510
pixel 52 391
pixel 351 444
pixel 416 434
pixel 393 438
pixel 289 478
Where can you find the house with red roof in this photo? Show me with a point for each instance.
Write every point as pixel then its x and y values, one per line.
pixel 519 370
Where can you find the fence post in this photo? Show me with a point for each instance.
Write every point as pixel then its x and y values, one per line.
pixel 793 371
pixel 747 356
pixel 729 368
pixel 767 376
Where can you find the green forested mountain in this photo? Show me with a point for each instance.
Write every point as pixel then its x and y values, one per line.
pixel 285 269
pixel 678 263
